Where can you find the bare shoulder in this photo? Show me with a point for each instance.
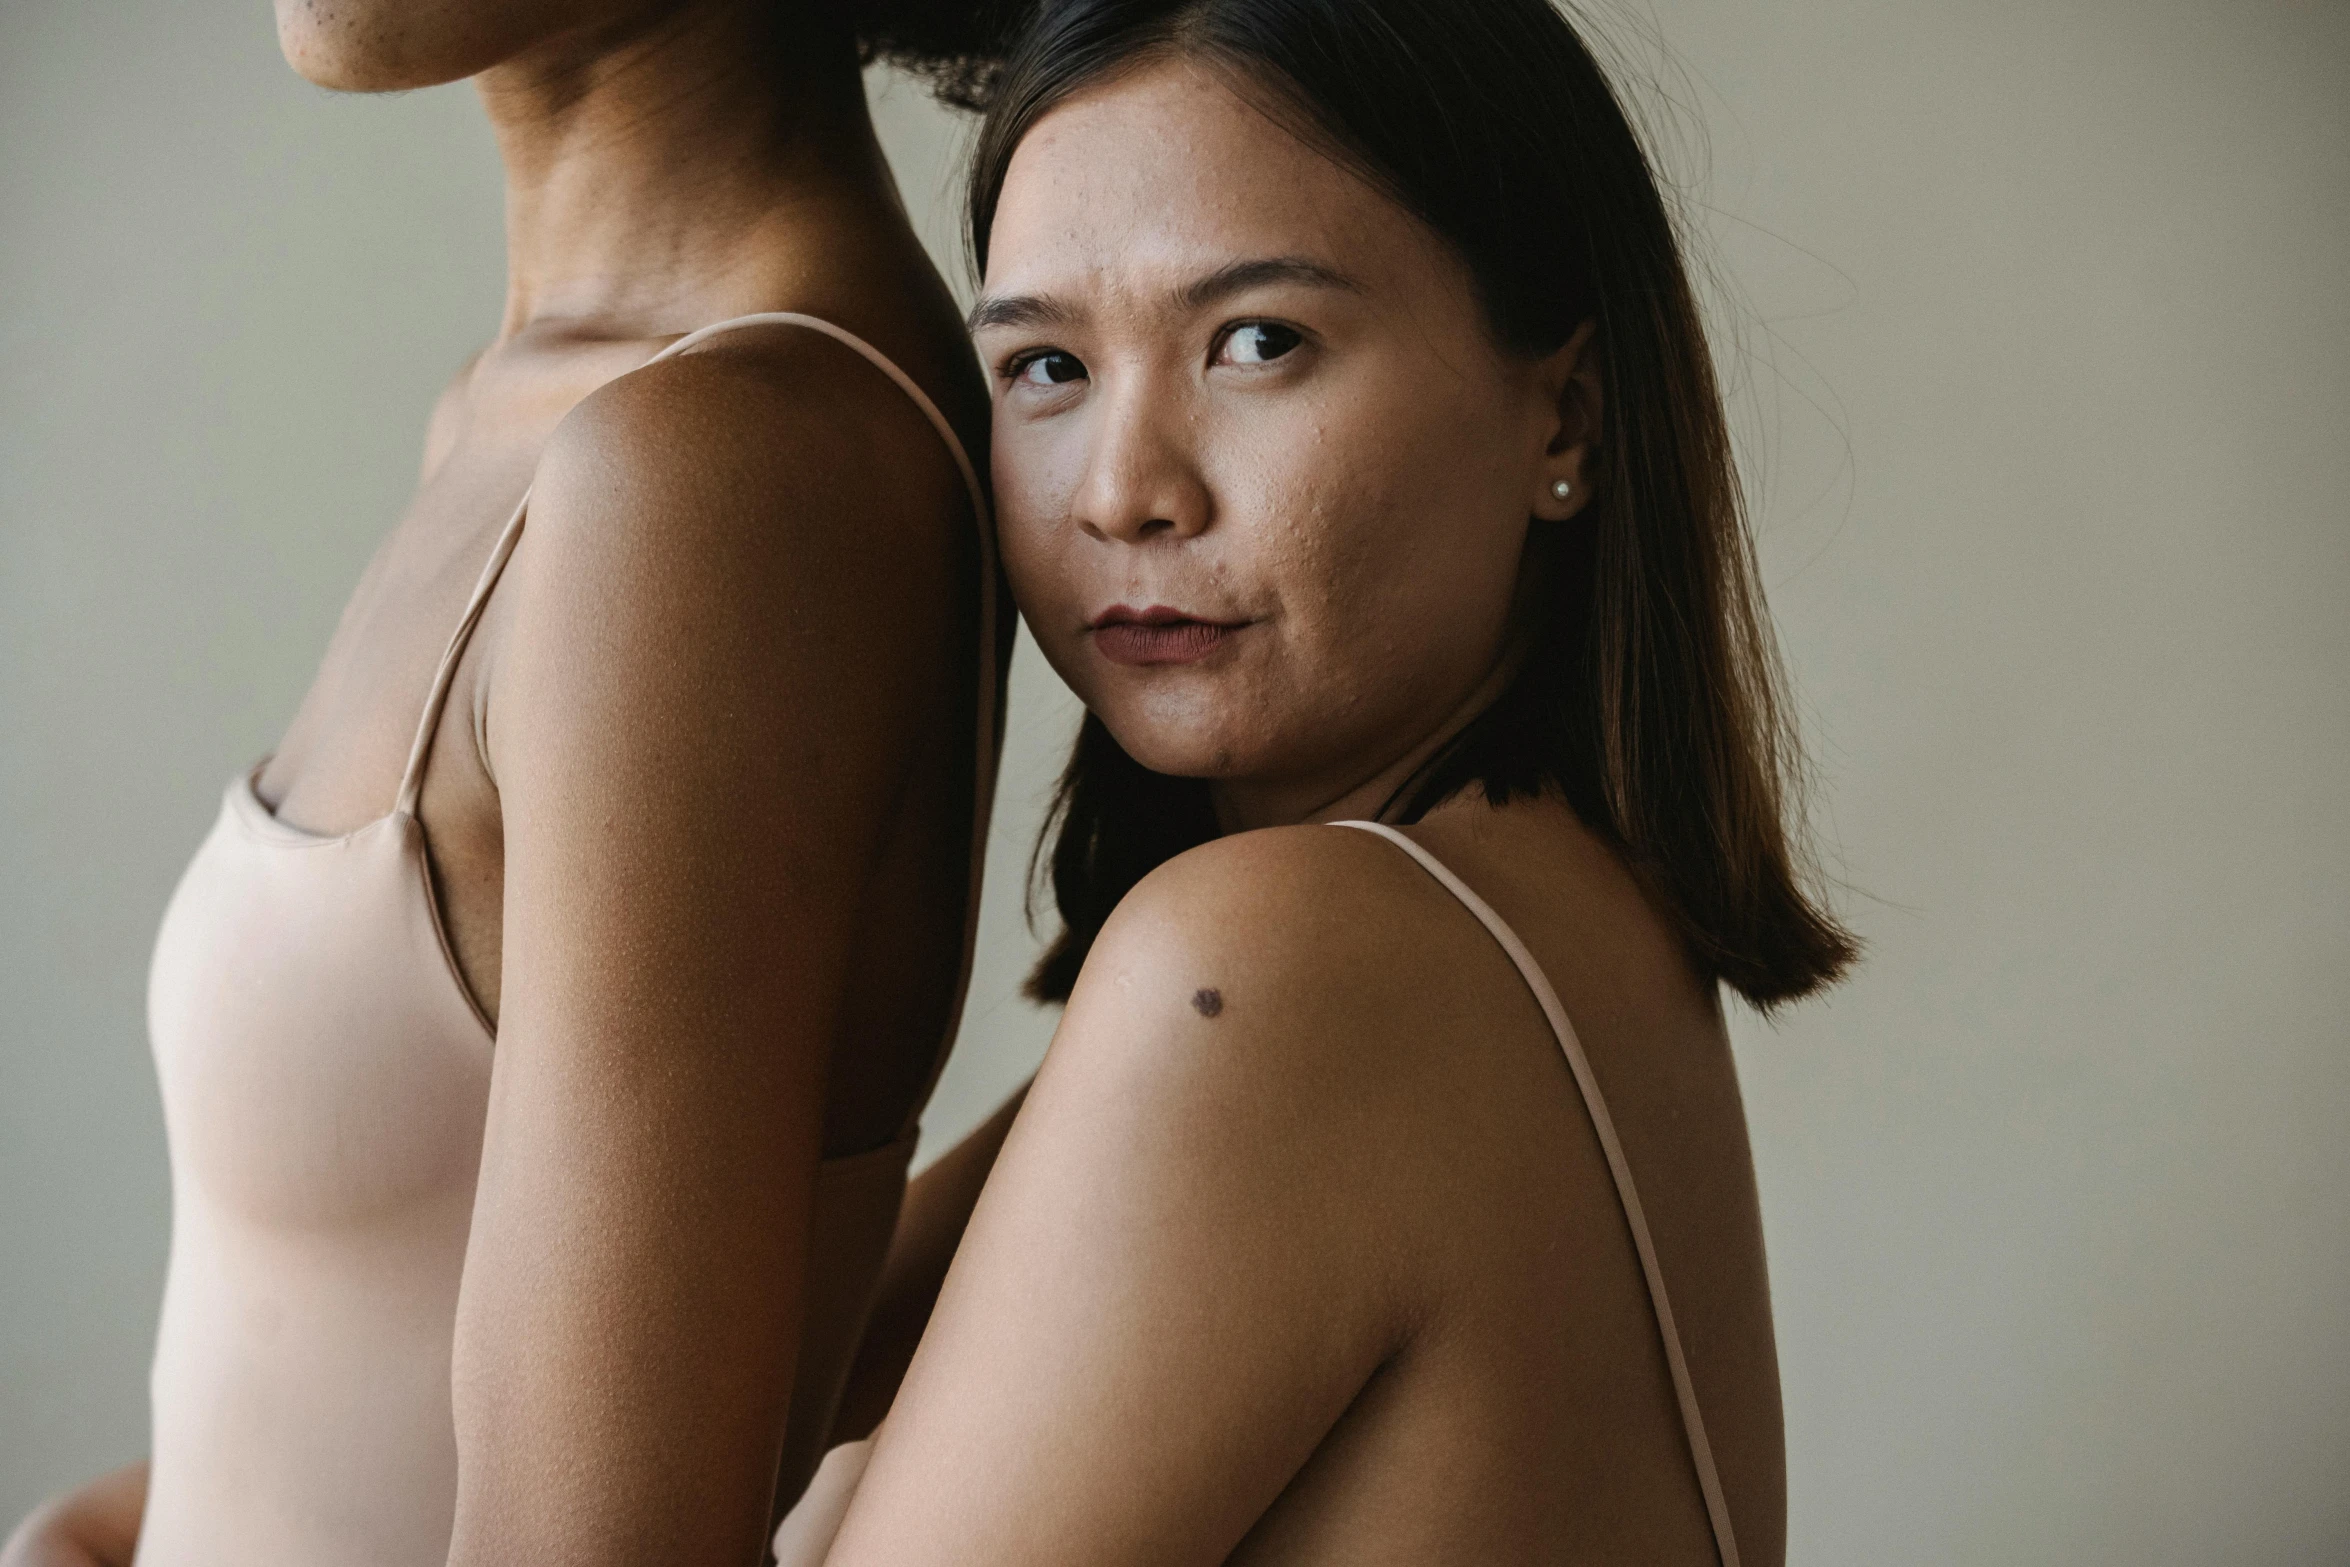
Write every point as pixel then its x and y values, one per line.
pixel 1316 960
pixel 1302 1030
pixel 441 426
pixel 1295 897
pixel 770 436
pixel 1250 1076
pixel 1312 952
pixel 1294 918
pixel 1604 941
pixel 757 552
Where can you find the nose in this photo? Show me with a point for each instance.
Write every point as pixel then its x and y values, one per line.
pixel 1142 482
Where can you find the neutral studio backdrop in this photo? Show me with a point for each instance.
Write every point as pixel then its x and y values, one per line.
pixel 2037 318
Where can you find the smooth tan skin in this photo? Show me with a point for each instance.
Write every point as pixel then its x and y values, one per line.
pixel 98 1523
pixel 938 1208
pixel 1336 1274
pixel 699 806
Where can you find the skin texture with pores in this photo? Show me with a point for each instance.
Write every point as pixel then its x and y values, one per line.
pixel 1330 1270
pixel 698 806
pixel 1282 494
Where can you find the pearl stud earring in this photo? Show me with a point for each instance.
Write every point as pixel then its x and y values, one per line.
pixel 1561 488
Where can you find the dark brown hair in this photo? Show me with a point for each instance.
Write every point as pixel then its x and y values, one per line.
pixel 958 45
pixel 1648 696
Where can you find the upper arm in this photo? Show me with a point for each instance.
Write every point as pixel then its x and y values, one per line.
pixel 96 1524
pixel 930 1228
pixel 712 683
pixel 1186 1264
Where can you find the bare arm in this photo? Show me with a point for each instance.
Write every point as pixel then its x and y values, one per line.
pixel 721 655
pixel 1186 1265
pixel 938 1208
pixel 95 1526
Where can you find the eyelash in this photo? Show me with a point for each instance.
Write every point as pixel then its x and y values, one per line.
pixel 1018 366
pixel 1225 337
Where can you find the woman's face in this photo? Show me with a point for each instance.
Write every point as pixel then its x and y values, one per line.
pixel 1264 475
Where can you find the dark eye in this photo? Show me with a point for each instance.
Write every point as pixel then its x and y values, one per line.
pixel 1259 342
pixel 1049 369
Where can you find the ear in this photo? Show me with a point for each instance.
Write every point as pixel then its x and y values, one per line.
pixel 1568 380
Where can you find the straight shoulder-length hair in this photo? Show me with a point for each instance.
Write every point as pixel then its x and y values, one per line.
pixel 1649 694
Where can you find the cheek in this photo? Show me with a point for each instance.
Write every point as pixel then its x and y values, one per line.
pixel 1366 518
pixel 1395 536
pixel 1035 469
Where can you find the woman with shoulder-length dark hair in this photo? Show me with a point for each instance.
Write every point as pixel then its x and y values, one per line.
pixel 541 1028
pixel 1385 1194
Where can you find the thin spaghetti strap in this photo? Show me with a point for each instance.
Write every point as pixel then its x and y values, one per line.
pixel 1692 1421
pixel 420 749
pixel 880 361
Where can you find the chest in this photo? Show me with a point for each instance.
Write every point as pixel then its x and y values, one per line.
pixel 320 1065
pixel 341 759
pixel 345 755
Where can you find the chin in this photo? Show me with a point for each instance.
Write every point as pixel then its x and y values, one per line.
pixel 366 46
pixel 1181 746
pixel 1179 760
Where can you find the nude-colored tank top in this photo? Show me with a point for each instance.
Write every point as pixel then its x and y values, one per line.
pixel 806 1534
pixel 325 1078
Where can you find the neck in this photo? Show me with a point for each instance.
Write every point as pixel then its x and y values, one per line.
pixel 656 174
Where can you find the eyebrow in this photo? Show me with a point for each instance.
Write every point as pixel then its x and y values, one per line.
pixel 1241 276
pixel 1018 310
pixel 1034 310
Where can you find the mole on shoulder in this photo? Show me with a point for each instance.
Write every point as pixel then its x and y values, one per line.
pixel 1207 1003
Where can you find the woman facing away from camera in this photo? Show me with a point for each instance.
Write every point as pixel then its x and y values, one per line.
pixel 542 1027
pixel 1385 1194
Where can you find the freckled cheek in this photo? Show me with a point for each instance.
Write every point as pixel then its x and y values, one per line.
pixel 1339 524
pixel 1364 521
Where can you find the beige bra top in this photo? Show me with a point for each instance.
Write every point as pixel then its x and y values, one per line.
pixel 325 1076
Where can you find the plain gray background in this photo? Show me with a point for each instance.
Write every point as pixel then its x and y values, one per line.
pixel 2036 315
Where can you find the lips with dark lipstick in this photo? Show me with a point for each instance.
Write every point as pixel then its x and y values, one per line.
pixel 1158 635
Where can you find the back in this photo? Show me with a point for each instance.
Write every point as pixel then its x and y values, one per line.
pixel 1532 1415
pixel 1306 1178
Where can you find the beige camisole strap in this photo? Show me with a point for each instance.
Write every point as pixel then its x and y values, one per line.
pixel 983 778
pixel 1692 1421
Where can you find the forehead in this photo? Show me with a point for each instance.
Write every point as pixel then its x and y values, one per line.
pixel 1168 171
